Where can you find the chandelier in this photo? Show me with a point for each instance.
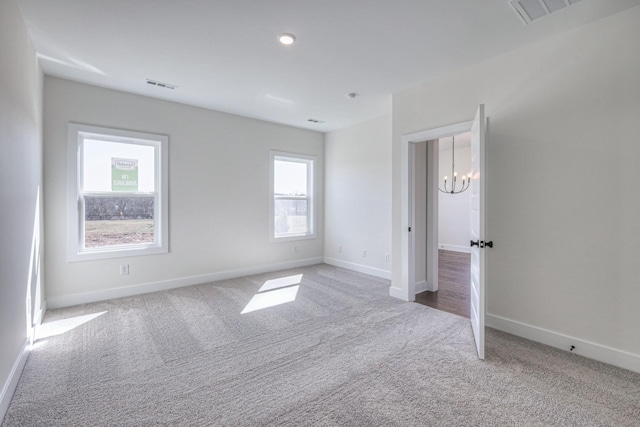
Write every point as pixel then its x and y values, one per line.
pixel 454 184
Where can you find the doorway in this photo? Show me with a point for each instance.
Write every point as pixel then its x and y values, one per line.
pixel 451 187
pixel 405 286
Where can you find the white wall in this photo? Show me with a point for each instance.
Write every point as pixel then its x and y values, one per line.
pixel 358 196
pixel 21 176
pixel 218 193
pixel 561 162
pixel 454 210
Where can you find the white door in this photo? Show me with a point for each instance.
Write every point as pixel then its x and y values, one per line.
pixel 477 229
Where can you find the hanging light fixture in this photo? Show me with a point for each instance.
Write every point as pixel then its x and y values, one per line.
pixel 454 181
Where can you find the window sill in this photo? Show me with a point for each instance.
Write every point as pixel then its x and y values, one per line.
pixel 116 253
pixel 294 237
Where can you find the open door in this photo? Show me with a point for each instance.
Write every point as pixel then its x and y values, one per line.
pixel 477 291
pixel 405 288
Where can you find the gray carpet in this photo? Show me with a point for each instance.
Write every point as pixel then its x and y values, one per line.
pixel 342 354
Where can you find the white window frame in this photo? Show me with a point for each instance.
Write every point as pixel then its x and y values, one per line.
pixel 310 161
pixel 76 251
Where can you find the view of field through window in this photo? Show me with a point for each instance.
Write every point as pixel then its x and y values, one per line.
pixel 114 221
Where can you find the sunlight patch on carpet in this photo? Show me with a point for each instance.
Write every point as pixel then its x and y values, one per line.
pixel 59 327
pixel 281 282
pixel 274 292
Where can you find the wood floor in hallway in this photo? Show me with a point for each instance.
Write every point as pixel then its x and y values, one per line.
pixel 453 284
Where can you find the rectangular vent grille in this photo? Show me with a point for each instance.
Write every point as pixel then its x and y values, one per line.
pixel 316 121
pixel 530 10
pixel 160 84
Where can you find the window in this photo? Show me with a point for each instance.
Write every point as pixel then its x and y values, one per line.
pixel 117 193
pixel 292 198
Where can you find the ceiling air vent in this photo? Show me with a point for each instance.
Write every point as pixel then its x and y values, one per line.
pixel 316 121
pixel 530 10
pixel 160 84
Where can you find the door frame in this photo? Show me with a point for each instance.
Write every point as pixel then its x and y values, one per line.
pixel 407 291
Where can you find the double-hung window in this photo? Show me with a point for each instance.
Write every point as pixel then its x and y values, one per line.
pixel 292 196
pixel 117 193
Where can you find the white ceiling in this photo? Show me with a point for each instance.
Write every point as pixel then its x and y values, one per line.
pixel 224 54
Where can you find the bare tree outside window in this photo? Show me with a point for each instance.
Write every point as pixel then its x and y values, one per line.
pixel 113 221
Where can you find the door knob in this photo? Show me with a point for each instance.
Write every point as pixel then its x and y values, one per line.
pixel 482 243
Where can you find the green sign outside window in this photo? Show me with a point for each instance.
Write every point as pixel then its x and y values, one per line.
pixel 124 174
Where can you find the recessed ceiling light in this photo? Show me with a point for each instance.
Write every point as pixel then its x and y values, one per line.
pixel 286 38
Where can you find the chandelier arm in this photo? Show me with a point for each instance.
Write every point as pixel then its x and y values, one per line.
pixel 464 188
pixel 445 187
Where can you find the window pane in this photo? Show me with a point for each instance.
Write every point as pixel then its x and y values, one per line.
pixel 290 217
pixel 103 159
pixel 289 178
pixel 114 221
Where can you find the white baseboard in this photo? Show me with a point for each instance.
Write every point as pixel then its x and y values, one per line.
pixel 11 383
pixel 399 293
pixel 454 248
pixel 611 356
pixel 383 274
pixel 144 288
pixel 424 286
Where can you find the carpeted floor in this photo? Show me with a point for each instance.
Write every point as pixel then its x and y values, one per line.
pixel 343 353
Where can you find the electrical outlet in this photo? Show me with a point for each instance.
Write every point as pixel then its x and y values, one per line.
pixel 387 257
pixel 124 269
pixel 364 253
